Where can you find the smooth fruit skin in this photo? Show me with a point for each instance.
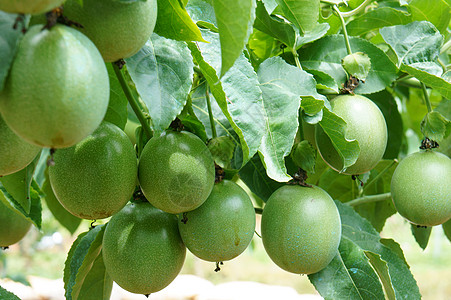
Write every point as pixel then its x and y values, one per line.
pixel 421 188
pixel 176 172
pixel 13 226
pixel 29 6
pixel 366 124
pixel 57 91
pixel 118 29
pixel 142 248
pixel 222 227
pixel 301 228
pixel 15 153
pixel 95 178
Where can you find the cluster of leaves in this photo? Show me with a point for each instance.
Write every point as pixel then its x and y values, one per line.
pixel 251 78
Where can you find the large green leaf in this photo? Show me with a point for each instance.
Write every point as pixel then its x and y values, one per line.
pixel 235 19
pixel 302 13
pixel 435 11
pixel 377 18
pixel 98 283
pixel 5 295
pixel 283 86
pixel 326 54
pixel 202 11
pixel 162 72
pixel 173 22
pixel 80 261
pixel 237 93
pixel 117 106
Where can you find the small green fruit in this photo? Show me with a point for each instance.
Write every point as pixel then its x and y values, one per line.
pixel 301 228
pixel 222 227
pixel 13 226
pixel 421 189
pixel 29 6
pixel 366 124
pixel 96 177
pixel 15 153
pixel 176 172
pixel 142 248
pixel 118 29
pixel 57 91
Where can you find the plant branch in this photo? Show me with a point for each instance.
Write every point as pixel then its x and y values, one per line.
pixel 395 161
pixel 210 113
pixel 343 25
pixel 369 199
pixel 426 97
pixel 131 99
pixel 296 58
pixel 357 9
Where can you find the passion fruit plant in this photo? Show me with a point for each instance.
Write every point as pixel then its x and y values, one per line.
pixel 217 92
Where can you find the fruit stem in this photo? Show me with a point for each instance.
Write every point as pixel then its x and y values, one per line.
pixel 131 99
pixel 210 113
pixel 296 58
pixel 395 161
pixel 343 25
pixel 369 199
pixel 426 97
pixel 258 210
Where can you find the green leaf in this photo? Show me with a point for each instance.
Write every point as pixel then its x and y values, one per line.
pixel 202 12
pixel 237 93
pixel 97 284
pixel 173 22
pixel 357 64
pixel 65 218
pixel 421 235
pixel 222 149
pixel 335 127
pixel 5 295
pixel 117 107
pixel 325 55
pixel 377 18
pixel 381 269
pixel 436 82
pixel 233 31
pixel 435 126
pixel 324 81
pixel 9 41
pixel 447 229
pixel 435 11
pixel 349 275
pixel 302 13
pixel 304 156
pixel 162 72
pixel 80 260
pixel 282 86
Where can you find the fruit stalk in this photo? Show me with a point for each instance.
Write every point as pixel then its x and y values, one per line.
pixel 369 199
pixel 210 113
pixel 426 97
pixel 345 32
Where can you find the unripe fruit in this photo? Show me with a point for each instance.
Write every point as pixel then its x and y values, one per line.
pixel 222 227
pixel 13 226
pixel 301 228
pixel 176 172
pixel 118 29
pixel 366 124
pixel 142 249
pixel 57 91
pixel 29 6
pixel 15 153
pixel 96 177
pixel 421 188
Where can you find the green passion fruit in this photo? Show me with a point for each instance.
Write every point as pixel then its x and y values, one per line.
pixel 57 91
pixel 421 189
pixel 176 172
pixel 13 226
pixel 29 6
pixel 301 228
pixel 118 29
pixel 15 153
pixel 96 177
pixel 366 124
pixel 142 248
pixel 222 227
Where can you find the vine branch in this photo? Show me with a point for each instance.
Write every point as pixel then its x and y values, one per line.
pixel 210 112
pixel 426 97
pixel 343 25
pixel 369 199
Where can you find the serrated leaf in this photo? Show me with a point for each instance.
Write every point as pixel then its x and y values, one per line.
pixel 222 149
pixel 80 259
pixel 233 31
pixel 117 107
pixel 282 86
pixel 381 269
pixel 435 126
pixel 162 72
pixel 65 218
pixel 421 235
pixel 377 18
pixel 6 295
pixel 201 12
pixel 435 82
pixel 324 81
pixel 357 64
pixel 302 13
pixel 325 55
pixel 435 11
pixel 98 284
pixel 304 156
pixel 173 22
pixel 237 93
pixel 349 275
